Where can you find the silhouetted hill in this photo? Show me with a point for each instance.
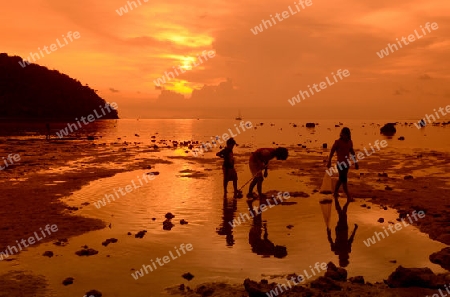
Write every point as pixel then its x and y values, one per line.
pixel 35 92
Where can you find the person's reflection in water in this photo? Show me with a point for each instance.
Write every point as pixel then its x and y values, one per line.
pixel 262 246
pixel 229 207
pixel 342 247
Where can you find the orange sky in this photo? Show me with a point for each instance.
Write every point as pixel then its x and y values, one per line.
pixel 121 56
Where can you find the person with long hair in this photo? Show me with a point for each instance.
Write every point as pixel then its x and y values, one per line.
pixel 343 147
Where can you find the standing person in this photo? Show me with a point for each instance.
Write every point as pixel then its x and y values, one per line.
pixel 229 173
pixel 48 131
pixel 344 150
pixel 259 160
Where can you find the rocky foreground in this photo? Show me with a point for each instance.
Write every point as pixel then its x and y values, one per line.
pixel 402 282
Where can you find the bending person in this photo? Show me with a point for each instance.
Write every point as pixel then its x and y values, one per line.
pixel 259 160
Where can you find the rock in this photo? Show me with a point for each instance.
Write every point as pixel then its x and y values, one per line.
pixel 168 225
pixel 325 284
pixel 310 125
pixel 384 174
pixel 93 293
pixel 48 254
pixel 380 220
pixel 336 273
pixel 412 277
pixel 129 233
pixel 61 242
pixel 90 138
pixel 169 216
pixel 108 241
pixel 388 129
pixel 357 280
pixel 401 138
pixel 140 234
pixel 86 252
pixel 289 226
pixel 441 258
pixel 258 290
pixel 408 177
pixel 183 222
pixel 387 188
pixel 324 145
pixel 68 281
pixel 280 251
pixel 188 276
pixel 204 291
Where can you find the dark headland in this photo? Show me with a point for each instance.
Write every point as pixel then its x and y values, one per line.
pixel 35 92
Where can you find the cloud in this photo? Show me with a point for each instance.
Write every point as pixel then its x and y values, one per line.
pixel 400 91
pixel 424 76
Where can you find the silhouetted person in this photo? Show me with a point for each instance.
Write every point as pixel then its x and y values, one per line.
pixel 229 172
pixel 228 216
pixel 47 126
pixel 262 246
pixel 342 247
pixel 345 154
pixel 259 160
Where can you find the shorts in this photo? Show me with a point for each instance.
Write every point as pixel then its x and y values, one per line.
pixel 343 173
pixel 256 166
pixel 229 174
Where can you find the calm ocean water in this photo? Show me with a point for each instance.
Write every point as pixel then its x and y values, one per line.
pixel 264 132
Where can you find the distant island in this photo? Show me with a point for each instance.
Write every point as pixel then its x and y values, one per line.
pixel 35 92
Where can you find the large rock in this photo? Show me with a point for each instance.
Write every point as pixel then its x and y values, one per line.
pixel 325 284
pixel 442 258
pixel 336 273
pixel 388 129
pixel 255 289
pixel 413 277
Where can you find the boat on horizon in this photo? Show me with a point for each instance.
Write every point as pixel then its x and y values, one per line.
pixel 239 117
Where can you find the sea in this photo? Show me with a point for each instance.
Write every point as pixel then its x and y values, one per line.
pixel 191 189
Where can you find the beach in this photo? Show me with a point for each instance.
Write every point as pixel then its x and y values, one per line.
pixel 58 182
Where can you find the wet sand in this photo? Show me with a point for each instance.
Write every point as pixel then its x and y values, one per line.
pixel 31 191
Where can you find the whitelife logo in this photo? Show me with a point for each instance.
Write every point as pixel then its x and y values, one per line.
pixel 64 132
pixel 431 118
pixel 170 75
pixel 284 14
pixel 371 241
pixel 359 156
pixel 140 273
pixel 123 10
pixel 411 38
pixel 128 189
pixel 225 137
pixel 31 240
pixel 323 85
pixel 53 47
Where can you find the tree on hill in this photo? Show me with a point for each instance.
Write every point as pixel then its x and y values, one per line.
pixel 35 92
